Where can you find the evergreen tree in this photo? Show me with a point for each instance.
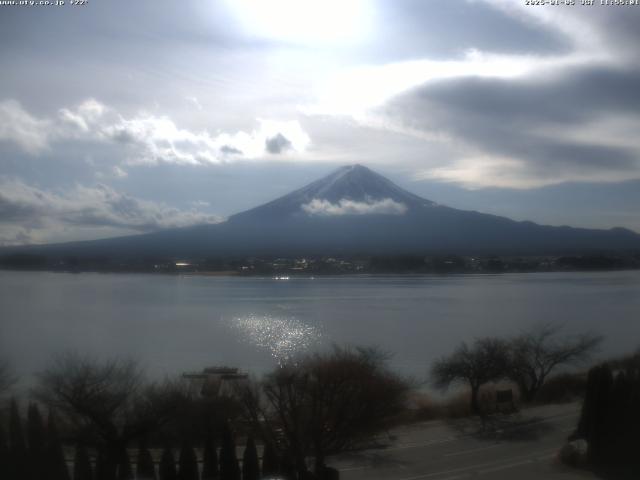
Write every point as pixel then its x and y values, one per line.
pixel 585 423
pixel 36 437
pixel 307 475
pixel 210 460
pixel 250 466
pixel 82 464
pixel 229 469
pixel 633 426
pixel 620 413
pixel 4 455
pixel 125 472
pixel 188 463
pixel 597 431
pixel 610 418
pixel 104 470
pixel 328 473
pixel 36 432
pixel 167 466
pixel 145 468
pixel 56 464
pixel 269 461
pixel 287 467
pixel 18 459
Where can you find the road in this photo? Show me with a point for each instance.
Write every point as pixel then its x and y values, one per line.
pixel 521 446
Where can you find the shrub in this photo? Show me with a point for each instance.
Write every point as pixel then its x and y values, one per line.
pixel 562 388
pixel 426 408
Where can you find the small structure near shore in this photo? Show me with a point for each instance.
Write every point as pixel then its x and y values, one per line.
pixel 216 381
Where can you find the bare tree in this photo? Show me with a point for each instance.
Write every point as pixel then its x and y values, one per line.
pixel 6 377
pixel 484 361
pixel 109 399
pixel 324 404
pixel 535 354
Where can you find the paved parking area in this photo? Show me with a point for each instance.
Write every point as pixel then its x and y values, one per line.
pixel 521 446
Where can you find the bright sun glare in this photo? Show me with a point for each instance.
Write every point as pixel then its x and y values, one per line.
pixel 310 22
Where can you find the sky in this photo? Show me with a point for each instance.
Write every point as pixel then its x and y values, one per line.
pixel 120 117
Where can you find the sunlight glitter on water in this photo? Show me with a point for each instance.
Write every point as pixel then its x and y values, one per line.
pixel 283 337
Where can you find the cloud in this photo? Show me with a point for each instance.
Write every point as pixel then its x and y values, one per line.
pixel 16 235
pixel 29 212
pixel 154 139
pixel 20 127
pixel 355 91
pixel 385 206
pixel 228 150
pixel 195 102
pixel 84 116
pixel 114 172
pixel 529 133
pixel 146 138
pixel 277 144
pixel 512 119
pixel 599 28
pixel 271 137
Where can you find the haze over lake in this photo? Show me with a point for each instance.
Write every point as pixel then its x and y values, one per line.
pixel 178 323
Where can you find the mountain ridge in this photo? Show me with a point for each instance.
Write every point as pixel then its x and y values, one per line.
pixel 355 210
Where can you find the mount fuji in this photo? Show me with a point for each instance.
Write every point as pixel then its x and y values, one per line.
pixel 355 211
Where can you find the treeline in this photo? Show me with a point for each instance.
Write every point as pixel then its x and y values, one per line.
pixel 610 419
pixel 105 421
pixel 299 414
pixel 36 452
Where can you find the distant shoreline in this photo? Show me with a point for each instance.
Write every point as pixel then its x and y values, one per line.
pixel 287 276
pixel 272 266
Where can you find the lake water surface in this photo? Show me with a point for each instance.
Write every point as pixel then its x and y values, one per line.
pixel 177 323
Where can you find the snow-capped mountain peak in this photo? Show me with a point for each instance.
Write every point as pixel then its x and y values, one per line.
pixel 349 190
